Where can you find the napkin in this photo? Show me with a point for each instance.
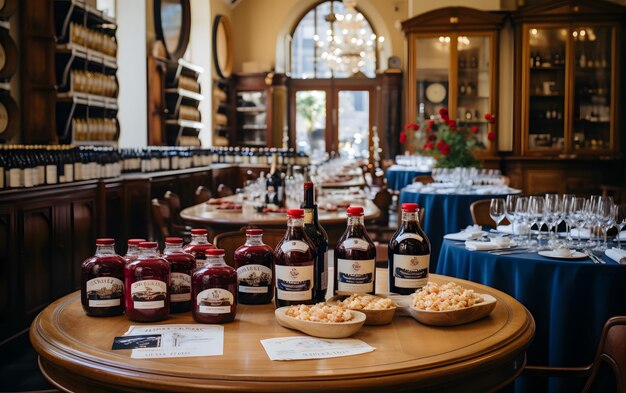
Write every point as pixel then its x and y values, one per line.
pixel 493 244
pixel 472 232
pixel 617 255
pixel 622 235
pixel 519 229
pixel 584 233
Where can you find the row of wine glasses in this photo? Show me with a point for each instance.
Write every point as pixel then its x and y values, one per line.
pixel 466 177
pixel 591 217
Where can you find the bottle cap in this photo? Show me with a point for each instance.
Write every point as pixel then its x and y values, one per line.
pixel 410 207
pixel 174 240
pixel 295 213
pixel 199 231
pixel 308 184
pixel 105 241
pixel 354 211
pixel 214 252
pixel 148 245
pixel 254 231
pixel 135 242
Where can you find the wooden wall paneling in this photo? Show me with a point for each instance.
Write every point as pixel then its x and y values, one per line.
pixel 111 213
pixel 10 301
pixel 83 224
pixel 225 175
pixel 136 212
pixel 541 181
pixel 389 116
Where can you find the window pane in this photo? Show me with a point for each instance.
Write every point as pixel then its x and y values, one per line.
pixel 311 123
pixel 354 123
pixel 432 76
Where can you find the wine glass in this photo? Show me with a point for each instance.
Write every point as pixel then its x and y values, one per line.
pixel 511 200
pixel 605 219
pixel 521 216
pixel 535 217
pixel 620 222
pixel 566 203
pixel 591 207
pixel 552 212
pixel 497 210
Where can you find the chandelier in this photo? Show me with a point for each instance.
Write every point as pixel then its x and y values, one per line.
pixel 349 41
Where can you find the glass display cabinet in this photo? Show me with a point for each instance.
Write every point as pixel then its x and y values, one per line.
pixel 452 64
pixel 569 79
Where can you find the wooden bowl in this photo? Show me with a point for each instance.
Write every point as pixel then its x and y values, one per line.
pixel 321 329
pixel 456 317
pixel 372 317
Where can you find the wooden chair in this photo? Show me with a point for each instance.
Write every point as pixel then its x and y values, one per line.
pixel 160 219
pixel 480 214
pixel 230 241
pixel 223 191
pixel 424 179
pixel 611 350
pixel 177 225
pixel 203 194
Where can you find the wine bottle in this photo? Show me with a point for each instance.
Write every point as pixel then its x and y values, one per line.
pixel 318 236
pixel 254 261
pixel 355 258
pixel 274 184
pixel 214 289
pixel 182 266
pixel 409 254
pixel 199 244
pixel 102 284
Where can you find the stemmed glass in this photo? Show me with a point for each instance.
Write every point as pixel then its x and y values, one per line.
pixel 576 217
pixel 566 217
pixel 520 217
pixel 535 217
pixel 620 222
pixel 511 200
pixel 605 219
pixel 497 210
pixel 591 218
pixel 552 212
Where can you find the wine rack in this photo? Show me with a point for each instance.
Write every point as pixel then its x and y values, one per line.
pixel 221 111
pixel 182 97
pixel 9 118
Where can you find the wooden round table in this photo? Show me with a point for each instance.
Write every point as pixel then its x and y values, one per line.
pixel 75 354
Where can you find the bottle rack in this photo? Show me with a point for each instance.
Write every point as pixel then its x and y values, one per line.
pixel 9 116
pixel 182 97
pixel 221 110
pixel 85 42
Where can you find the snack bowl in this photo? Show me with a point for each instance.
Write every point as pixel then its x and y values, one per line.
pixel 321 329
pixel 455 317
pixel 372 317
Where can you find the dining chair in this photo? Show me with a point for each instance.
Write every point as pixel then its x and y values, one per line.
pixel 480 214
pixel 223 191
pixel 160 219
pixel 177 225
pixel 203 194
pixel 230 241
pixel 424 179
pixel 611 351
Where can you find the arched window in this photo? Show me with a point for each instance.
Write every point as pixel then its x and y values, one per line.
pixel 334 40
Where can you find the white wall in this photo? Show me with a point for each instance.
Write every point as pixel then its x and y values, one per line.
pixel 199 52
pixel 131 73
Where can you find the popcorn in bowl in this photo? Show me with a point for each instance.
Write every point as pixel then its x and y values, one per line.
pixel 320 312
pixel 446 297
pixel 367 302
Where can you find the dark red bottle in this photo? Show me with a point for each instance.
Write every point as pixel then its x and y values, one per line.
pixel 146 285
pixel 409 254
pixel 182 266
pixel 199 244
pixel 294 260
pixel 319 238
pixel 102 284
pixel 355 258
pixel 132 252
pixel 214 289
pixel 254 262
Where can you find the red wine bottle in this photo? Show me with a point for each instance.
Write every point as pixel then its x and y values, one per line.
pixel 182 266
pixel 199 244
pixel 355 258
pixel 214 289
pixel 318 236
pixel 294 258
pixel 254 262
pixel 409 254
pixel 146 285
pixel 102 284
pixel 132 252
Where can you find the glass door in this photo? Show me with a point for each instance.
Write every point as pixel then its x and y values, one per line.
pixel 592 110
pixel 353 123
pixel 432 76
pixel 311 123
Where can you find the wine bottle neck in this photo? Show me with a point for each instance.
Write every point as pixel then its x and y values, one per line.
pixel 254 240
pixel 105 249
pixel 199 239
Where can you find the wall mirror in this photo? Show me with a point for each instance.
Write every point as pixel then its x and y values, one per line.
pixel 172 22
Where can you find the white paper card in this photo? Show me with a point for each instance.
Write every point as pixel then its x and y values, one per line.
pixel 305 347
pixel 180 341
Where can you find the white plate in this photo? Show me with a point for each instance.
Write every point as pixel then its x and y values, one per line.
pixel 553 254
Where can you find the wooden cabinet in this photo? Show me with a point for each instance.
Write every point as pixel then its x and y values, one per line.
pixel 568 63
pixel 453 63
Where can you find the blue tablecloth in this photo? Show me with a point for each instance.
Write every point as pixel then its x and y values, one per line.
pixel 399 177
pixel 444 213
pixel 569 299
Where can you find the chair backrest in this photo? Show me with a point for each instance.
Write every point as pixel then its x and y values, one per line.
pixel 379 178
pixel 230 241
pixel 480 213
pixel 424 179
pixel 203 194
pixel 382 200
pixel 223 191
pixel 161 219
pixel 611 350
pixel 173 201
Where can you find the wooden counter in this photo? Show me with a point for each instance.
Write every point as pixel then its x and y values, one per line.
pixel 76 354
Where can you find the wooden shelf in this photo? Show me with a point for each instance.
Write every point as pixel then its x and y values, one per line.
pixel 88 99
pixel 185 123
pixel 87 54
pixel 251 109
pixel 185 93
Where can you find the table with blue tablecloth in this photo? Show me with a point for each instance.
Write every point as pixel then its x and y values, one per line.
pixel 569 299
pixel 399 176
pixel 445 213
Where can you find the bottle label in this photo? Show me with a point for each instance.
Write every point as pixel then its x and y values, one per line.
pixel 294 283
pixel 409 236
pixel 69 172
pixel 15 177
pixel 324 283
pixel 148 294
pixel 51 174
pixel 410 271
pixel 180 287
pixel 215 301
pixel 308 216
pixel 105 292
pixel 254 278
pixel 294 245
pixel 355 276
pixel 200 263
pixel 354 243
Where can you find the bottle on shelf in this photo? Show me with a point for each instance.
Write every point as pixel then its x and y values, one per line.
pixel 199 244
pixel 274 184
pixel 537 60
pixel 582 61
pixel 409 254
pixel 319 238
pixel 102 284
pixel 462 88
pixel 355 257
pixel 214 290
pixel 182 266
pixel 294 259
pixel 146 285
pixel 254 262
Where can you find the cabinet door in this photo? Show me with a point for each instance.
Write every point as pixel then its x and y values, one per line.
pixel 432 70
pixel 593 104
pixel 544 113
